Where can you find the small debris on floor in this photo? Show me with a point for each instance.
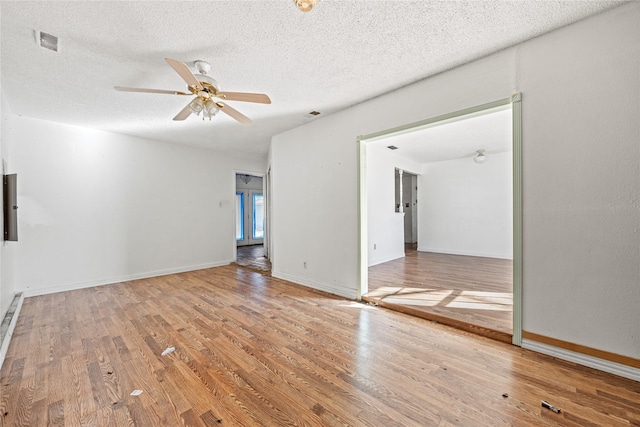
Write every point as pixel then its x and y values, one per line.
pixel 505 395
pixel 168 350
pixel 550 407
pixel 136 392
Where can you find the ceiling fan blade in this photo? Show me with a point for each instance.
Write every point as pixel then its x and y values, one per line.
pixel 137 89
pixel 184 113
pixel 233 113
pixel 260 98
pixel 184 71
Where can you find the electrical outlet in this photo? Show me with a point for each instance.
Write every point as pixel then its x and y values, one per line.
pixel 374 247
pixel 304 264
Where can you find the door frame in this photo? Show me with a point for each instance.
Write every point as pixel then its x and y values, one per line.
pixel 233 215
pixel 515 101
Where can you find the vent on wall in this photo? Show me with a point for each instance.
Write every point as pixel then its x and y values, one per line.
pixel 392 147
pixel 47 41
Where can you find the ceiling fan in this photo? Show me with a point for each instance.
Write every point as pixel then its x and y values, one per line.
pixel 207 91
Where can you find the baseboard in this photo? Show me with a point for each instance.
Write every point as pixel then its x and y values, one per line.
pixel 119 279
pixel 386 259
pixel 346 293
pixel 620 369
pixel 9 324
pixel 449 252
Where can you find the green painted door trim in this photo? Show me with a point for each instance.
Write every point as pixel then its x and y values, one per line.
pixel 514 101
pixel 362 285
pixel 516 128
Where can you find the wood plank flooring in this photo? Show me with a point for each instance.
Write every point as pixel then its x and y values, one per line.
pixel 251 350
pixel 470 293
pixel 252 256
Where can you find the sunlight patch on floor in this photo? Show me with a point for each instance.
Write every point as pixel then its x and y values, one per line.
pixel 412 296
pixel 354 304
pixel 475 300
pixel 400 290
pixel 469 300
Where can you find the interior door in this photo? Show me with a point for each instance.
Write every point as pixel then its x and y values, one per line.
pixel 249 217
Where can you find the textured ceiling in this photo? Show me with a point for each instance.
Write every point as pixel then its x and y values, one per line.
pixel 339 54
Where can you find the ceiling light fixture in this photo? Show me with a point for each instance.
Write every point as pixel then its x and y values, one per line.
pixel 203 103
pixel 480 157
pixel 305 5
pixel 245 178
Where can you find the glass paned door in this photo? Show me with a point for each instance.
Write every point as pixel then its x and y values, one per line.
pixel 258 215
pixel 249 217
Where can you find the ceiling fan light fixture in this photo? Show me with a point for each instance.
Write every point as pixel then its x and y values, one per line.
pixel 197 105
pixel 305 5
pixel 210 108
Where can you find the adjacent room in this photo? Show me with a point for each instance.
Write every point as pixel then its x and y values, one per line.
pixel 440 235
pixel 272 213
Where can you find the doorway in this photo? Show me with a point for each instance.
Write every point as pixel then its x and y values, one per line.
pixel 489 298
pixel 249 217
pixel 406 195
pixel 250 221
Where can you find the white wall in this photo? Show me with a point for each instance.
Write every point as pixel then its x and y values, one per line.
pixel 466 208
pixel 312 202
pixel 385 225
pixel 98 207
pixel 6 286
pixel 581 183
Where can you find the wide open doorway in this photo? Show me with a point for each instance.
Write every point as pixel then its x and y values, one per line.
pixel 465 269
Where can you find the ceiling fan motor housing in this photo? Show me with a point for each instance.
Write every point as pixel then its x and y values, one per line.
pixel 203 68
pixel 210 85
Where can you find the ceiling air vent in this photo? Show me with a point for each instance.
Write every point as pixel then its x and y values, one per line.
pixel 392 147
pixel 47 41
pixel 312 114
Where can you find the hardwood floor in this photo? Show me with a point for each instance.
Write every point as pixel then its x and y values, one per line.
pixel 470 293
pixel 252 257
pixel 252 350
